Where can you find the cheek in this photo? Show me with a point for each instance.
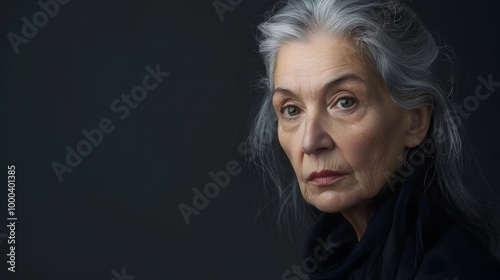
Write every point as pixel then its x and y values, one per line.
pixel 371 149
pixel 291 142
pixel 359 144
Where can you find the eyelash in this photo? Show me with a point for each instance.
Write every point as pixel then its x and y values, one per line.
pixel 349 98
pixel 284 107
pixel 283 111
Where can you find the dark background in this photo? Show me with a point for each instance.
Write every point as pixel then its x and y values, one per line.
pixel 119 207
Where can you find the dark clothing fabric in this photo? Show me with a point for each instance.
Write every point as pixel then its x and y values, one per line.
pixel 406 238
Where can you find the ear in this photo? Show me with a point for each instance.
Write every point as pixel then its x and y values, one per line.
pixel 418 125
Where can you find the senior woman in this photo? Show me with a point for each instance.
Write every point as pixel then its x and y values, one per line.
pixel 356 104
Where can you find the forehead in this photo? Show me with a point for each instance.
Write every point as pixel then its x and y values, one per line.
pixel 313 62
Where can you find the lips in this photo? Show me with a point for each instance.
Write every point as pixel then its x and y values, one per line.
pixel 325 177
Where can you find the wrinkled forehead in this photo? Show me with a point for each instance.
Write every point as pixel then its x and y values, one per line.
pixel 312 64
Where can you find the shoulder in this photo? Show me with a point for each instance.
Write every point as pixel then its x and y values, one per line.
pixel 456 254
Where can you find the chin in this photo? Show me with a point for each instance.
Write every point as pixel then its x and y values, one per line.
pixel 332 201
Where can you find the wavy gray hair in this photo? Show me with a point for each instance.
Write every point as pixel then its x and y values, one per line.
pixel 410 62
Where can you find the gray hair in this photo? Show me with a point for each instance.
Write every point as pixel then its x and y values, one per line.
pixel 410 62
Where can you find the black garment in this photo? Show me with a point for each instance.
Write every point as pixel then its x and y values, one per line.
pixel 407 238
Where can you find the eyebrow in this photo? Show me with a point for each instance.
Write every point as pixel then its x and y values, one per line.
pixel 332 84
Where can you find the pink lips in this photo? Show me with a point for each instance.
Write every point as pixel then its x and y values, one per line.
pixel 324 178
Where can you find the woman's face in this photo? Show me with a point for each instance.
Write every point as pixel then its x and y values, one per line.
pixel 336 122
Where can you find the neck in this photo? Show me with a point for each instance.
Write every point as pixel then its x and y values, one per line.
pixel 358 216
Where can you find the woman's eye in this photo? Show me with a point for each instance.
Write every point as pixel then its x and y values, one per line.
pixel 346 103
pixel 291 110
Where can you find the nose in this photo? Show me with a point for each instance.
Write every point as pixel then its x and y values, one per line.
pixel 317 138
